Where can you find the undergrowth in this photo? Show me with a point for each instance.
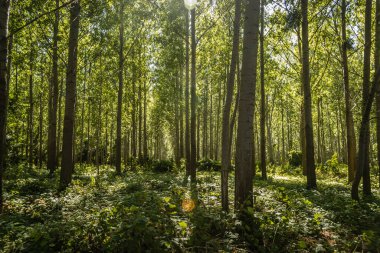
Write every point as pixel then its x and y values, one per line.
pixel 145 211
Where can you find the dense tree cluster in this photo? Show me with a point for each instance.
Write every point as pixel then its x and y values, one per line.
pixel 249 83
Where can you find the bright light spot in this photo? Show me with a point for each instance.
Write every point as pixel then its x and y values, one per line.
pixel 190 4
pixel 188 205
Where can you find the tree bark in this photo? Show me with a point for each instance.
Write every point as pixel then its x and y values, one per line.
pixel 187 99
pixel 53 100
pixel 67 165
pixel 366 84
pixel 4 88
pixel 361 161
pixel 120 91
pixel 31 110
pixel 309 142
pixel 377 65
pixel 244 142
pixel 263 159
pixel 193 101
pixel 350 130
pixel 226 136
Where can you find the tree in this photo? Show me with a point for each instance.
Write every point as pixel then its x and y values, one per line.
pixel 226 143
pixel 366 90
pixel 308 125
pixel 193 118
pixel 377 65
pixel 4 88
pixel 187 99
pixel 67 166
pixel 350 130
pixel 244 141
pixel 263 98
pixel 120 91
pixel 53 100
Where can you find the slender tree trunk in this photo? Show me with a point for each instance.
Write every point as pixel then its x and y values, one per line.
pixel 310 163
pixel 59 121
pixel 71 80
pixel 244 142
pixel 263 159
pixel 302 115
pixel 216 150
pixel 234 113
pixel 193 102
pixel 40 123
pixel 377 65
pixel 211 148
pixel 350 131
pixel 145 144
pixel 319 160
pixel 120 91
pixel 31 110
pixel 4 88
pixel 176 123
pixel 205 125
pixel 366 84
pixel 187 99
pixel 269 134
pixel 198 132
pixel 53 100
pixel 226 137
pixel 82 115
pixel 361 162
pixel 140 121
pixel 134 128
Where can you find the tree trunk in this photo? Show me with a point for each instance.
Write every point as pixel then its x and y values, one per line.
pixel 30 111
pixel 120 91
pixel 53 100
pixel 145 144
pixel 244 142
pixel 176 124
pixel 193 102
pixel 226 134
pixel 205 125
pixel 187 99
pixel 377 65
pixel 361 162
pixel 40 121
pixel 140 119
pixel 309 142
pixel 302 115
pixel 59 121
pixel 366 84
pixel 263 159
pixel 134 128
pixel 71 80
pixel 4 88
pixel 211 147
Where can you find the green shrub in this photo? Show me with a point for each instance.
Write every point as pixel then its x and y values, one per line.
pixel 333 163
pixel 163 166
pixel 208 165
pixel 295 158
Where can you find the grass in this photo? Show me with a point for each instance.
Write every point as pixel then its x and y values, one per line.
pixel 156 212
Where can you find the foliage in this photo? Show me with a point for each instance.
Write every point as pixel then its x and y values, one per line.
pixel 208 165
pixel 163 166
pixel 295 158
pixel 145 211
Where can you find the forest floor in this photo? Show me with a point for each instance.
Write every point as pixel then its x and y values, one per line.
pixel 156 212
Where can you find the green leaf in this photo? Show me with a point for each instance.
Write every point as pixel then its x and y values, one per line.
pixel 182 224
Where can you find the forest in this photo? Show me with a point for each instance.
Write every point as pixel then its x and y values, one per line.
pixel 189 126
